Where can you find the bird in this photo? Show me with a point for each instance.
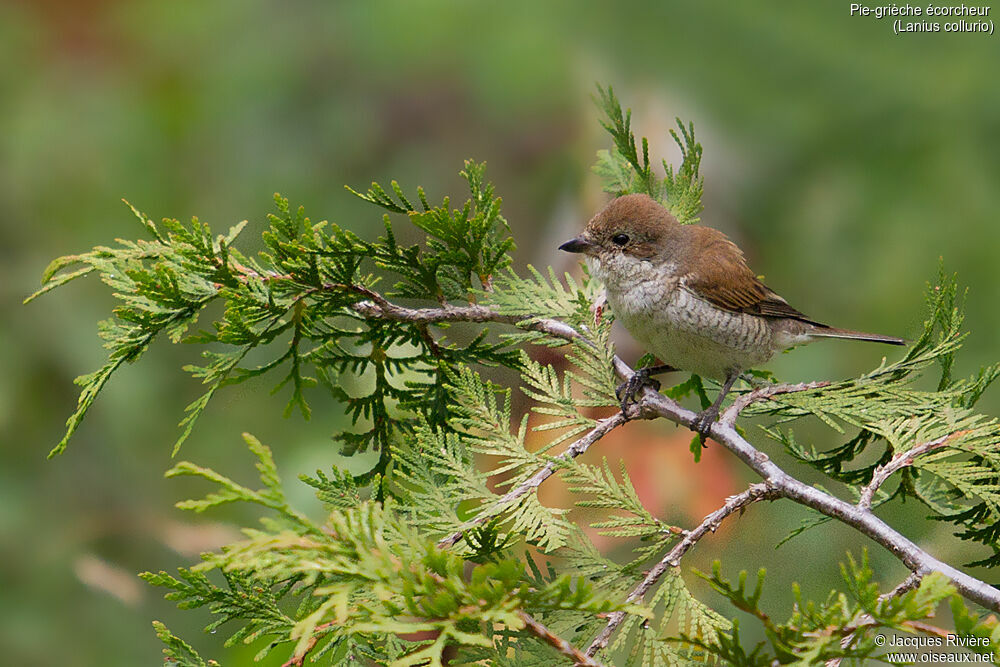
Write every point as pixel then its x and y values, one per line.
pixel 687 295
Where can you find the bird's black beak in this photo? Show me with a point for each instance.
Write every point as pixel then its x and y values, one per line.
pixel 579 244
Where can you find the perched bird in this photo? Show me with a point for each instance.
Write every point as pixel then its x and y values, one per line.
pixel 686 294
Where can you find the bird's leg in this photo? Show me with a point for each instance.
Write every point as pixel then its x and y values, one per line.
pixel 703 421
pixel 628 390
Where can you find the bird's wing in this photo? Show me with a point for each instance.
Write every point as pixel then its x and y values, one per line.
pixel 724 280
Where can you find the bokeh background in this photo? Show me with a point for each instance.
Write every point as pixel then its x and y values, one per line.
pixel 844 159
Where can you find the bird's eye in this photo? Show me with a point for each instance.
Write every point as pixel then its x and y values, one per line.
pixel 620 239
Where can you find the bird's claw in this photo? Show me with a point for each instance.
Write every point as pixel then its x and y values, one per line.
pixel 627 392
pixel 703 421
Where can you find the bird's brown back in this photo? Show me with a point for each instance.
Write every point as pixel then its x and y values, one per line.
pixel 717 271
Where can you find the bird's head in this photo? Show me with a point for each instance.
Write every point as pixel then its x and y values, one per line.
pixel 631 229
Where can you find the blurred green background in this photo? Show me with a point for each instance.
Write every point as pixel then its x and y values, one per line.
pixel 844 159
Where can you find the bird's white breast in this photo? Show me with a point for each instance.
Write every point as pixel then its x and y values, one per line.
pixel 680 328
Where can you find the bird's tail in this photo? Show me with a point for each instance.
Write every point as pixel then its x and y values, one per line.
pixel 832 332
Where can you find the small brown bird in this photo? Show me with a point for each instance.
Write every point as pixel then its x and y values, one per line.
pixel 686 294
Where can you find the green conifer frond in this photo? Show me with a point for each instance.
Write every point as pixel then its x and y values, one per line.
pixel 357 575
pixel 600 489
pixel 648 643
pixel 416 587
pixel 337 491
pixel 684 187
pixel 438 483
pixel 819 631
pixel 251 602
pixel 271 496
pixel 301 289
pixel 486 423
pixel 619 126
pixel 624 171
pixel 177 651
pixel 542 296
pixel 465 247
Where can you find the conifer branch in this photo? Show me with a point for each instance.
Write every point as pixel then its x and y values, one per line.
pixel 530 623
pixel 898 462
pixel 784 485
pixel 557 642
pixel 298 658
pixel 764 393
pixel 902 588
pixel 578 447
pixel 382 309
pixel 673 558
pixel 653 404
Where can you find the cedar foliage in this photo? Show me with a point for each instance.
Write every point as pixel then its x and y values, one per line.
pixel 356 586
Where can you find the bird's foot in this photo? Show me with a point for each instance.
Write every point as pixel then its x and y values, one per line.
pixel 628 391
pixel 703 421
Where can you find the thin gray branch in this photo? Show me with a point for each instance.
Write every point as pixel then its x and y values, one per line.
pixel 673 558
pixel 765 393
pixel 898 462
pixel 379 308
pixel 579 446
pixel 558 642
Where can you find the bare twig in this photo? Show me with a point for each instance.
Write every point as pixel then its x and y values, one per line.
pixel 432 344
pixel 903 587
pixel 765 393
pixel 579 446
pixel 558 642
pixel 673 558
pixel 898 462
pixel 379 308
pixel 299 659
